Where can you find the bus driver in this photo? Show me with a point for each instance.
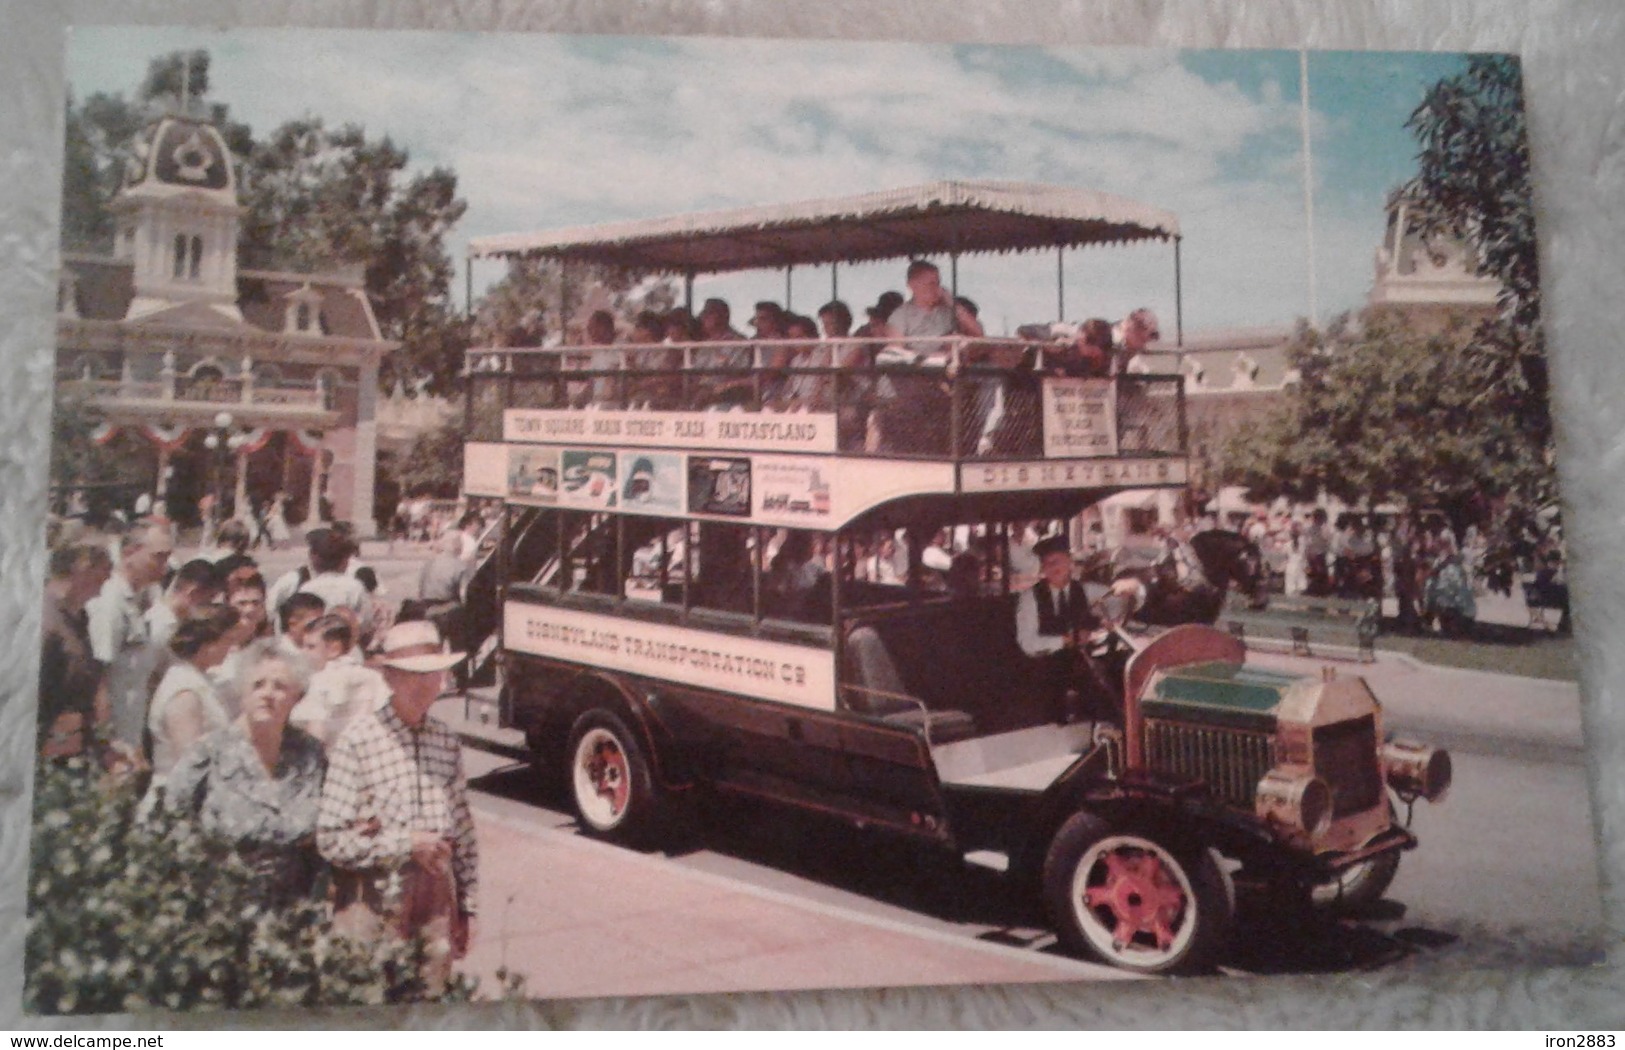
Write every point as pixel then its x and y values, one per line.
pixel 1053 622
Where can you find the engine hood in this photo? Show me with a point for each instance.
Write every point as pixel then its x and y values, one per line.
pixel 1229 695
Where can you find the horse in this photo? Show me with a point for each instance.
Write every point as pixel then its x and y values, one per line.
pixel 1187 584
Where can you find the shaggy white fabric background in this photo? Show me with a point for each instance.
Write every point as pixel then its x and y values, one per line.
pixel 1575 77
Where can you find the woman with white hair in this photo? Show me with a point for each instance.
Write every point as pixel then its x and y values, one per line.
pixel 256 784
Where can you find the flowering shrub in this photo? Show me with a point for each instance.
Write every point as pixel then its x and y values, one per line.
pixel 129 912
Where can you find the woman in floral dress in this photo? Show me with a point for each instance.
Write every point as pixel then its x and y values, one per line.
pixel 256 784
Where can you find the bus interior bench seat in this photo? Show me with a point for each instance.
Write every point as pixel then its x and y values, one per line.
pixel 873 687
pixel 952 656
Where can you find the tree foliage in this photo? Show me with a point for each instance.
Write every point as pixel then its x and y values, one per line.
pixel 318 197
pixel 1385 412
pixel 1473 182
pixel 130 912
pixel 525 306
pixel 433 466
pixel 1473 175
pixel 1458 419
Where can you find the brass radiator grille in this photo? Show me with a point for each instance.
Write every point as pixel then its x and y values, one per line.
pixel 1231 762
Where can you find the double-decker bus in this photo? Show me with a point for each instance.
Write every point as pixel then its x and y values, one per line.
pixel 787 577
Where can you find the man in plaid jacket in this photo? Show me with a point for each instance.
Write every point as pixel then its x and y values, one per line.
pixel 394 819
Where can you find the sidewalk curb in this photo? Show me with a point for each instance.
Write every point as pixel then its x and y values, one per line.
pixel 1067 968
pixel 1351 655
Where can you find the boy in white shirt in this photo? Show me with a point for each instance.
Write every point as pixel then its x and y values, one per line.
pixel 341 686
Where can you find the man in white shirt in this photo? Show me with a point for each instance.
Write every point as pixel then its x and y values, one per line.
pixel 120 639
pixel 194 586
pixel 329 558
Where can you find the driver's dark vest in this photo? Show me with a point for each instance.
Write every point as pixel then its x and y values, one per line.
pixel 1050 621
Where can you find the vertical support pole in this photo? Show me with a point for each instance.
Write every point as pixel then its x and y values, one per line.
pixel 1308 185
pixel 1179 297
pixel 366 451
pixel 287 462
pixel 757 549
pixel 468 288
pixel 504 528
pixel 564 302
pixel 834 281
pixel 1060 284
pixel 688 291
pixel 691 535
pixel 318 467
pixel 161 489
pixel 240 492
pixel 839 570
pixel 787 271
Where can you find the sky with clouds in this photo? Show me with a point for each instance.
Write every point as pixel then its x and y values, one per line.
pixel 548 131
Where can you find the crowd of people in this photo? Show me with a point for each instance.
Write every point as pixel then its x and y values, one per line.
pixel 289 721
pixel 795 362
pixel 1435 578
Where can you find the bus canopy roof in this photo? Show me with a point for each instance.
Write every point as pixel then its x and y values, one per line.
pixel 938 217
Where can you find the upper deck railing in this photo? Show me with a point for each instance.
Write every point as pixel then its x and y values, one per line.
pixel 958 398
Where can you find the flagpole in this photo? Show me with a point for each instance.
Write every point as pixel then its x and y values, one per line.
pixel 1308 183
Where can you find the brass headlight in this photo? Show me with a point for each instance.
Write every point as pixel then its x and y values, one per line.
pixel 1416 770
pixel 1296 799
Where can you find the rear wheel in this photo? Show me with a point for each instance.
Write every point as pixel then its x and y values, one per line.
pixel 1128 899
pixel 609 779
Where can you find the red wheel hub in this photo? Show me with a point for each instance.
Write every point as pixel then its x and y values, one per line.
pixel 607 771
pixel 1142 897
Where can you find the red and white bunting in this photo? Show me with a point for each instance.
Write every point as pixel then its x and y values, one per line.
pixel 102 433
pixel 169 439
pixel 305 442
pixel 252 440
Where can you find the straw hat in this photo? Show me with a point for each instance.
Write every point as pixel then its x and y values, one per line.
pixel 416 646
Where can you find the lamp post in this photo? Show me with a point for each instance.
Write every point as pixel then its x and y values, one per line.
pixel 219 441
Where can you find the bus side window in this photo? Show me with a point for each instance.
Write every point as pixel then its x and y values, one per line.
pixel 589 553
pixel 533 546
pixel 722 572
pixel 657 559
pixel 796 578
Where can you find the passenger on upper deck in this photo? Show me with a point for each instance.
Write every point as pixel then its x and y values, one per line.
pixel 928 312
pixel 879 314
pixel 915 415
pixel 769 321
pixel 803 390
pixel 600 333
pixel 1130 336
pixel 656 383
pixel 681 326
pixel 730 354
pixel 714 323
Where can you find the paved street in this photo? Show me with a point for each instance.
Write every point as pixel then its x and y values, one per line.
pixel 755 898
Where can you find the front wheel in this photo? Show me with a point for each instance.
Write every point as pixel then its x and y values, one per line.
pixel 609 780
pixel 1131 901
pixel 1357 888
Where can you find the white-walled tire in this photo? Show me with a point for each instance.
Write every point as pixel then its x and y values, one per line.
pixel 609 779
pixel 1358 887
pixel 1129 900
